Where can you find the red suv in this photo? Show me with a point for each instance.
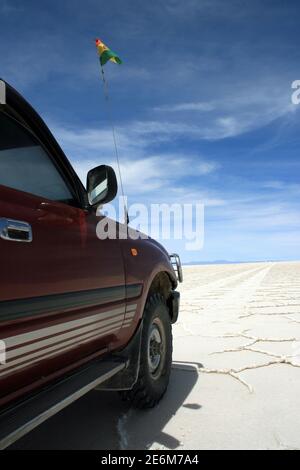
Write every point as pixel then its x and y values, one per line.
pixel 76 312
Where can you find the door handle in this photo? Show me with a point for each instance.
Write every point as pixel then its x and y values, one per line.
pixel 15 230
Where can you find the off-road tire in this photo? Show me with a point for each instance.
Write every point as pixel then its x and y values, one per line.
pixel 153 381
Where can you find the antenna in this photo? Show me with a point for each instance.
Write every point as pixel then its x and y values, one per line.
pixel 110 118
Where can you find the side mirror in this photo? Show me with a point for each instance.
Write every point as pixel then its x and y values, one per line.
pixel 102 185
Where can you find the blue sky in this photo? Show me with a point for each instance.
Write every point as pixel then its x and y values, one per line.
pixel 202 106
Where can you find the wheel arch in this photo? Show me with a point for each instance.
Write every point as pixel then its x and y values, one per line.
pixel 163 284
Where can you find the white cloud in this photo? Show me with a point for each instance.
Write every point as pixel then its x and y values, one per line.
pixel 243 109
pixel 258 213
pixel 238 215
pixel 197 106
pixel 160 173
pixel 293 189
pixel 142 169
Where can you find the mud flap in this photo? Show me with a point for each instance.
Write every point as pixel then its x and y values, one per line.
pixel 174 304
pixel 126 379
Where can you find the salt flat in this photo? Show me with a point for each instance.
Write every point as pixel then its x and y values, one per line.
pixel 242 324
pixel 235 381
pixel 236 362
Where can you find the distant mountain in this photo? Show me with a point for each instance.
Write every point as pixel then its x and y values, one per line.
pixel 221 261
pixel 194 263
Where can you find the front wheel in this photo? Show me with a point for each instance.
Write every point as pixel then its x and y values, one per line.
pixel 155 357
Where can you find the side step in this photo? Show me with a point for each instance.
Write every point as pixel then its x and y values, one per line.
pixel 29 414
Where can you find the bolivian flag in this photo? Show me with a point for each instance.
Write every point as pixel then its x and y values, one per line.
pixel 106 54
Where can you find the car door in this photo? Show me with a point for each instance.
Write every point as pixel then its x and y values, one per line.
pixel 62 290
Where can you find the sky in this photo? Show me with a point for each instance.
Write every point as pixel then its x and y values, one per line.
pixel 201 105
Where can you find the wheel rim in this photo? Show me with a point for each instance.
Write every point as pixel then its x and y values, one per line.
pixel 156 348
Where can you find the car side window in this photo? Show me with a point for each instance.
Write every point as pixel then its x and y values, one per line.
pixel 26 166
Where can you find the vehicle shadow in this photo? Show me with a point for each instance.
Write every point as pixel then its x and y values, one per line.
pixel 101 421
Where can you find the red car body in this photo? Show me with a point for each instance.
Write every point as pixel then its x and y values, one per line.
pixel 66 297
